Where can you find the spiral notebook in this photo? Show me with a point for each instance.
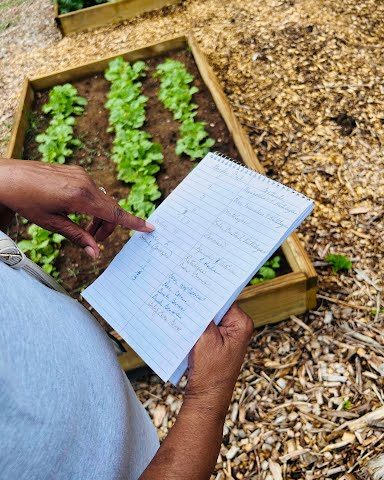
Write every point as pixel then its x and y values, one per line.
pixel 213 233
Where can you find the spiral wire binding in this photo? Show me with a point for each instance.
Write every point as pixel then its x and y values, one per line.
pixel 249 171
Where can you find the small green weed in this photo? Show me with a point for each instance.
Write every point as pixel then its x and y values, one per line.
pixel 338 262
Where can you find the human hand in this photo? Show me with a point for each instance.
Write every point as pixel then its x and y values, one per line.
pixel 216 359
pixel 45 194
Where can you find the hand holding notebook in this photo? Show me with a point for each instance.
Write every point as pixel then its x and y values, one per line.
pixel 213 233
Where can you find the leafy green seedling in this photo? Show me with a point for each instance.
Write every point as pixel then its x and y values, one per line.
pixel 373 312
pixel 64 101
pixel 193 140
pixel 338 262
pixel 141 197
pixel 347 404
pixel 176 94
pixel 58 138
pixel 268 271
pixel 43 248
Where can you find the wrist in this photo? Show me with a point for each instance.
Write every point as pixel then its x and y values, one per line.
pixel 209 405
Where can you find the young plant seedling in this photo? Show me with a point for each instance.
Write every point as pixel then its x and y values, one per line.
pixel 176 95
pixel 57 140
pixel 338 262
pixel 268 271
pixel 43 248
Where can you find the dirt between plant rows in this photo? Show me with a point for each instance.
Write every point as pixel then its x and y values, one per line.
pixel 76 270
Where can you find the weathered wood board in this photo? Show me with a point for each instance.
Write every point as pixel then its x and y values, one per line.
pixel 106 13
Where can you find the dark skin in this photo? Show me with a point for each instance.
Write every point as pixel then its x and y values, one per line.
pixel 46 194
pixel 191 448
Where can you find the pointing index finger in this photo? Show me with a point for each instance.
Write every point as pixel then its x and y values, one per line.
pixel 106 208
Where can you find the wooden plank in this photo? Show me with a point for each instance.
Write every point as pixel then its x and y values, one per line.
pixel 98 66
pixel 21 121
pixel 107 13
pixel 276 299
pixel 299 259
pixel 239 136
pixel 57 21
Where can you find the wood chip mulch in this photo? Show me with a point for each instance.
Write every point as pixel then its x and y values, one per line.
pixel 306 79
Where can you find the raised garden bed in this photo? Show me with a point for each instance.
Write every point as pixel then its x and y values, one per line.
pixel 105 13
pixel 293 291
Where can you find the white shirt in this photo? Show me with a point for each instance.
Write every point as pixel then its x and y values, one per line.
pixel 67 410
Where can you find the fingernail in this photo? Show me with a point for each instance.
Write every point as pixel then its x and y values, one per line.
pixel 150 226
pixel 91 252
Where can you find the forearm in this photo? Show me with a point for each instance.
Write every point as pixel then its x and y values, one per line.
pixel 191 448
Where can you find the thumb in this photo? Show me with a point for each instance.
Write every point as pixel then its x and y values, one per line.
pixel 209 338
pixel 236 326
pixel 75 234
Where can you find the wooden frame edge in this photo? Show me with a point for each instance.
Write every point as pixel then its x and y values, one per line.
pixel 271 285
pixel 24 104
pixel 279 298
pixel 89 68
pixel 224 107
pixel 107 13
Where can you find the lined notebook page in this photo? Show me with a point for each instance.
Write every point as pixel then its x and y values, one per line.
pixel 213 232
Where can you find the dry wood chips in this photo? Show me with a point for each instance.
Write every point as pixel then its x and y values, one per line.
pixel 306 80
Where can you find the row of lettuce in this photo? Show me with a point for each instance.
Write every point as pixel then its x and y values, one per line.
pixel 137 158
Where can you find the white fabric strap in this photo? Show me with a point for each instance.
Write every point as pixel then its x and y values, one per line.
pixel 12 256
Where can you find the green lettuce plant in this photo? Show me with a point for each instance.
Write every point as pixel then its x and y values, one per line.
pixel 268 271
pixel 43 248
pixel 194 140
pixel 58 138
pixel 176 95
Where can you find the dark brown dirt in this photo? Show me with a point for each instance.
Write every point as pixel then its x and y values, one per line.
pixel 75 268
